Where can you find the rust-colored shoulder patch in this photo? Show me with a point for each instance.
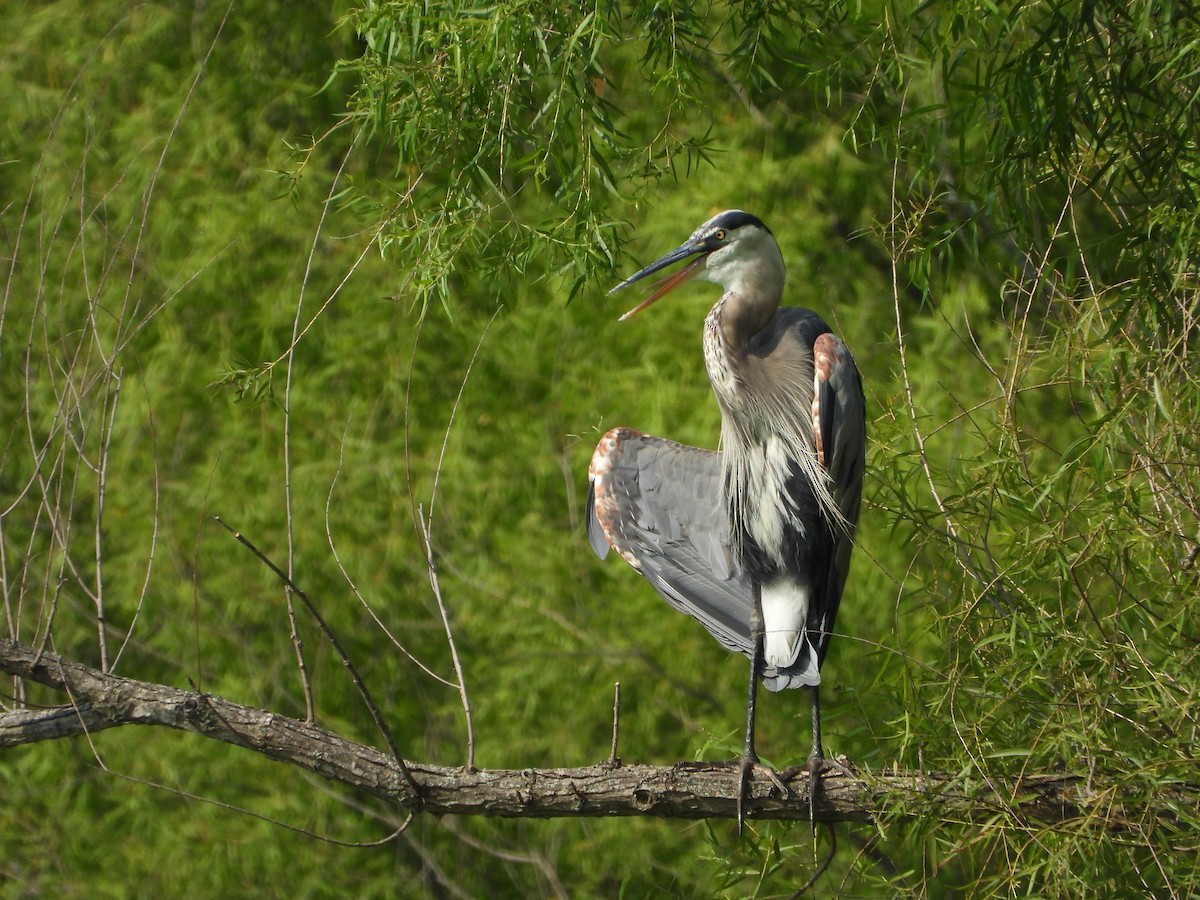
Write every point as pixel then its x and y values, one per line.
pixel 609 446
pixel 607 507
pixel 827 354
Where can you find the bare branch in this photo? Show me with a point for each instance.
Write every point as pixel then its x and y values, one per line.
pixel 697 790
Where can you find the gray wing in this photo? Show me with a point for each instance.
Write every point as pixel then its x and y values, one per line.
pixel 659 504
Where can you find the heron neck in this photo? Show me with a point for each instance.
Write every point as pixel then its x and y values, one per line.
pixel 728 329
pixel 747 312
pixel 733 323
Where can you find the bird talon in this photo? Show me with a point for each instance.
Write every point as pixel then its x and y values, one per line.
pixel 746 768
pixel 839 765
pixel 745 765
pixel 775 780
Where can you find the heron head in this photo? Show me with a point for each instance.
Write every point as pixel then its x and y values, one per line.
pixel 718 250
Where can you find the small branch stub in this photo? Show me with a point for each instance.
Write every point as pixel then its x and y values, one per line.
pixel 613 759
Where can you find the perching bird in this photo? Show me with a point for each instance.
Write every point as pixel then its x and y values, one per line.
pixel 753 540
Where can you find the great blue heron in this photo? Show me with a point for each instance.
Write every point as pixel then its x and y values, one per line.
pixel 753 540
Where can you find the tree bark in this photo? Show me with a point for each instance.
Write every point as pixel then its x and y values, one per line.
pixel 684 790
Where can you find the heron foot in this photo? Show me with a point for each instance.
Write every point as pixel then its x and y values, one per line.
pixel 746 767
pixel 841 765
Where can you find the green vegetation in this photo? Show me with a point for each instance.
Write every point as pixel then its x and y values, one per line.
pixel 320 272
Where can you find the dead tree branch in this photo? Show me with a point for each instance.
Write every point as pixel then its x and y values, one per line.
pixel 684 790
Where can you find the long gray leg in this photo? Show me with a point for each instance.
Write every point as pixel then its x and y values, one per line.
pixel 816 759
pixel 749 757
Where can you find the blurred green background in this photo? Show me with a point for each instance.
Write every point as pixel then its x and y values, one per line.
pixel 312 269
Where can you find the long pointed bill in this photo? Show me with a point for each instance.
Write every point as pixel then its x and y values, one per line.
pixel 668 284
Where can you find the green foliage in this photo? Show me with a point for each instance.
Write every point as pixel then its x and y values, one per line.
pixel 995 205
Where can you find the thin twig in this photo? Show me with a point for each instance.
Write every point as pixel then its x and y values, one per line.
pixel 820 870
pixel 289 372
pixel 462 387
pixel 298 336
pixel 195 574
pixel 337 558
pixel 1018 360
pixel 434 872
pixel 155 482
pixel 425 523
pixel 436 587
pixel 961 554
pixel 532 859
pixel 351 670
pixel 107 429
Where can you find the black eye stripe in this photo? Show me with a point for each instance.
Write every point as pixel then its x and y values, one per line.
pixel 732 219
pixel 716 231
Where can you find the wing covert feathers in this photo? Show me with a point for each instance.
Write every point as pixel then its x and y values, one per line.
pixel 658 503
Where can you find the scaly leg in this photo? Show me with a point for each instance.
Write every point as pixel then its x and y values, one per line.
pixel 816 760
pixel 749 756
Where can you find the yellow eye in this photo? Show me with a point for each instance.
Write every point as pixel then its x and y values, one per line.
pixel 720 235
